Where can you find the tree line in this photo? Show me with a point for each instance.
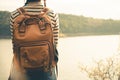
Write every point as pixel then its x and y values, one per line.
pixel 71 25
pixel 80 25
pixel 4 24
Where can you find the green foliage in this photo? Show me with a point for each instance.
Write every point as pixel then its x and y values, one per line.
pixel 80 25
pixel 71 25
pixel 4 23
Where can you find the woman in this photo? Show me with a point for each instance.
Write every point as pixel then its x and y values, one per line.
pixel 33 6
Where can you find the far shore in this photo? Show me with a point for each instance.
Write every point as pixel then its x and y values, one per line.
pixel 71 35
pixel 86 34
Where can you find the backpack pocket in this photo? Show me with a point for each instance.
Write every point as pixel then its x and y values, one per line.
pixel 35 56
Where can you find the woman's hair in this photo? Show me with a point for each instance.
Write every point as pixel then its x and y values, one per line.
pixel 27 1
pixel 32 0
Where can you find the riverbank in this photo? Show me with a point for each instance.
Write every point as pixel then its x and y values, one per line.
pixel 72 35
pixel 5 37
pixel 86 34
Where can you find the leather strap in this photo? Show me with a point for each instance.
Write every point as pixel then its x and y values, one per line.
pixel 56 71
pixel 44 3
pixel 22 29
pixel 21 10
pixel 56 60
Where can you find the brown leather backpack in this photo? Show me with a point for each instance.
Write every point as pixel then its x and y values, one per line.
pixel 33 40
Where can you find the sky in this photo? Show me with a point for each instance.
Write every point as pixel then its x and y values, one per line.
pixel 106 9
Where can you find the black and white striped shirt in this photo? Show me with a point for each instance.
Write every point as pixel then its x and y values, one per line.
pixel 36 8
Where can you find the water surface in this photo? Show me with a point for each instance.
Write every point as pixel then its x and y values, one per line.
pixel 72 52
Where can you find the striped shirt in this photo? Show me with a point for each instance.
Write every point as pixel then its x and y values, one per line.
pixel 36 10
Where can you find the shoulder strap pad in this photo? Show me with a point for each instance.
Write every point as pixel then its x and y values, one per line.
pixel 21 10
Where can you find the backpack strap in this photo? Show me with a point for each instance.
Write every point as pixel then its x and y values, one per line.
pixel 22 28
pixel 21 10
pixel 56 60
pixel 56 71
pixel 44 3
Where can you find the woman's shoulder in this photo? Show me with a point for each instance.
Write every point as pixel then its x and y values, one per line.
pixel 14 13
pixel 52 13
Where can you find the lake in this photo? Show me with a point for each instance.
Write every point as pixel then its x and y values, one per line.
pixel 72 52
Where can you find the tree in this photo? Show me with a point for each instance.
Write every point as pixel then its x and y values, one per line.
pixel 108 69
